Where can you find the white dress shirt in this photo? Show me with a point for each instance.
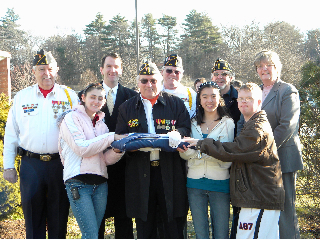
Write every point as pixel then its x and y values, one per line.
pixel 154 152
pixel 182 93
pixel 32 121
pixel 114 91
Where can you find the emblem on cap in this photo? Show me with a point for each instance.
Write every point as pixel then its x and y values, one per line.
pixel 221 64
pixel 173 60
pixel 43 58
pixel 148 68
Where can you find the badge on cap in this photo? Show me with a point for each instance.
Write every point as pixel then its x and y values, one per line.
pixel 148 68
pixel 221 64
pixel 173 60
pixel 43 58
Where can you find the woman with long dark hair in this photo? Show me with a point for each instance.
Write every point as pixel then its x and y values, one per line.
pixel 83 142
pixel 208 177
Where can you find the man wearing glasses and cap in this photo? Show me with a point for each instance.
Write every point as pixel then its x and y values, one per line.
pixel 222 75
pixel 32 132
pixel 155 177
pixel 172 73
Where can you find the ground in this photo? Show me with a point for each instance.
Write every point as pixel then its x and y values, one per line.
pixel 12 229
pixel 15 229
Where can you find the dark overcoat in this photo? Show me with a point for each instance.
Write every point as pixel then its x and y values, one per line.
pixel 169 113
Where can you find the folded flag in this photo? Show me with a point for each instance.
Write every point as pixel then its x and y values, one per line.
pixel 135 141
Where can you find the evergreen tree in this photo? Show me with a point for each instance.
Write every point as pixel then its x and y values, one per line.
pixel 14 40
pixel 308 181
pixel 151 36
pixel 117 35
pixel 199 44
pixel 96 27
pixel 312 45
pixel 169 37
pixel 93 47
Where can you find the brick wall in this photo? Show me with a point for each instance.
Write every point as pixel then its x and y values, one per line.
pixel 5 81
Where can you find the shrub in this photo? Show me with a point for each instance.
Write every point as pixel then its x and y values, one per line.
pixel 9 193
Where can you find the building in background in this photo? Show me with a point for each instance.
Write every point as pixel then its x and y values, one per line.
pixel 5 81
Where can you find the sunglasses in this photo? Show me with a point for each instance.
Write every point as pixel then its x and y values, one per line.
pixel 145 81
pixel 169 71
pixel 224 74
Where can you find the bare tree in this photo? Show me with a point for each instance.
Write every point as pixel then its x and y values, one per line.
pixel 22 77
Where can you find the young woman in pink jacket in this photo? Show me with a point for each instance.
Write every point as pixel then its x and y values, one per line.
pixel 83 146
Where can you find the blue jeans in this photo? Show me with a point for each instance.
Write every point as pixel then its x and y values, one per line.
pixel 219 209
pixel 90 207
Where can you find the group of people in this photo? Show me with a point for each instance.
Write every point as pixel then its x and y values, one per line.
pixel 243 147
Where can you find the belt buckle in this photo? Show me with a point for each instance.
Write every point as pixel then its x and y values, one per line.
pixel 155 163
pixel 45 158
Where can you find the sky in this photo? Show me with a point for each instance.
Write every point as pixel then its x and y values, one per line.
pixel 48 18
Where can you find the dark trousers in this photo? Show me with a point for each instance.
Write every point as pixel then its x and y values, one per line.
pixel 235 220
pixel 44 198
pixel 148 229
pixel 123 228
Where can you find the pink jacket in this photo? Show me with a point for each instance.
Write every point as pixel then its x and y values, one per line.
pixel 81 145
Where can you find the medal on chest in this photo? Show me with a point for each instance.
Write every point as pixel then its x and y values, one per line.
pixel 59 107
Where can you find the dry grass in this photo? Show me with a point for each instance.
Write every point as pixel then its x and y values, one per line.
pixel 309 221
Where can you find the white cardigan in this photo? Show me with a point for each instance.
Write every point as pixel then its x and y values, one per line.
pixel 202 165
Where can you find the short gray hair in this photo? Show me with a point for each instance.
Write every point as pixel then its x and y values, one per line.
pixel 270 57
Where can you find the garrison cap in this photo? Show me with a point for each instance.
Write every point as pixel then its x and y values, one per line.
pixel 221 64
pixel 43 58
pixel 148 68
pixel 173 60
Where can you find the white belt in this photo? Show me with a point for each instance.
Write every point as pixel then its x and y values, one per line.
pixel 154 153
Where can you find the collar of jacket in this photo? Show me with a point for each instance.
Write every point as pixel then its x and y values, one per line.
pixel 53 91
pixel 80 108
pixel 198 128
pixel 256 115
pixel 161 99
pixel 276 85
pixel 272 93
pixel 233 93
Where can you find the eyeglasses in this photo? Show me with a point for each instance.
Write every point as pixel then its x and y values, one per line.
pixel 265 66
pixel 224 74
pixel 247 99
pixel 169 71
pixel 212 84
pixel 145 81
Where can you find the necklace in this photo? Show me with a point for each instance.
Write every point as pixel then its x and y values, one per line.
pixel 210 124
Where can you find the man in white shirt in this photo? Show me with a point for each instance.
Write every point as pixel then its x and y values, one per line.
pixel 172 73
pixel 32 132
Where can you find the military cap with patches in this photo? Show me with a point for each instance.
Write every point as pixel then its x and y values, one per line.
pixel 221 64
pixel 148 68
pixel 43 58
pixel 173 60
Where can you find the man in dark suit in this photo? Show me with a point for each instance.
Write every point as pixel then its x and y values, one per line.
pixel 116 94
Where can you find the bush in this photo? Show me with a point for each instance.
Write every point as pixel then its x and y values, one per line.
pixel 9 193
pixel 308 184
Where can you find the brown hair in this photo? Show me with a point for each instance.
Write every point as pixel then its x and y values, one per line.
pixel 113 55
pixel 254 88
pixel 88 89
